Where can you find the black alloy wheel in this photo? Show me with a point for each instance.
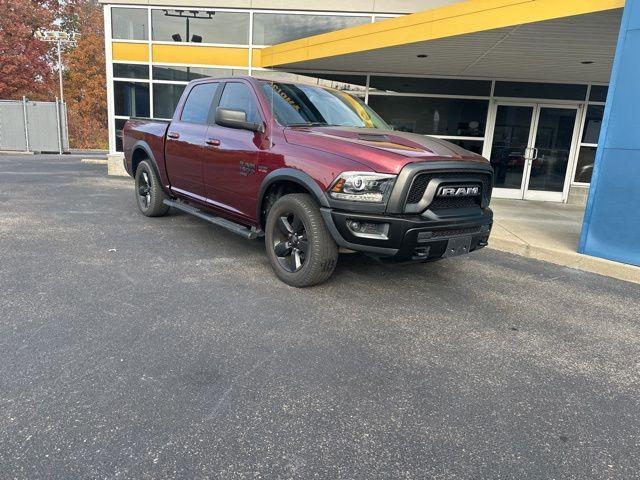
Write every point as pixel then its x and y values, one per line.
pixel 148 190
pixel 144 190
pixel 290 243
pixel 299 246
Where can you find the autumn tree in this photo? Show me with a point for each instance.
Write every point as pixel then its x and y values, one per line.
pixel 26 63
pixel 84 79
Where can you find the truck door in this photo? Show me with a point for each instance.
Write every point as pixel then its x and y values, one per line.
pixel 231 174
pixel 185 142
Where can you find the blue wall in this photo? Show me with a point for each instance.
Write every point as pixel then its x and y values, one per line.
pixel 611 227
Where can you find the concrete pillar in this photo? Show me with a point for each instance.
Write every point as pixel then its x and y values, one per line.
pixel 611 227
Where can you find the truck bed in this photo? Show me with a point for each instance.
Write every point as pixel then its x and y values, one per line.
pixel 150 131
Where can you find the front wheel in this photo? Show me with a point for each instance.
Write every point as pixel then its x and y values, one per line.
pixel 299 246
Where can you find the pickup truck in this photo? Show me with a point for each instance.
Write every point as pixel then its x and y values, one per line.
pixel 314 171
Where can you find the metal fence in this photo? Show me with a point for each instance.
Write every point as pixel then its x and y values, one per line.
pixel 27 126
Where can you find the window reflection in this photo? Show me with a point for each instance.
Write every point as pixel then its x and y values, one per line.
pixel 129 23
pixel 272 28
pixel 165 99
pixel 584 169
pixel 186 74
pixel 434 116
pixel 592 124
pixel 131 99
pixel 200 26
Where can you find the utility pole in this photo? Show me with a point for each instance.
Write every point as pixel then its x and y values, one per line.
pixel 59 38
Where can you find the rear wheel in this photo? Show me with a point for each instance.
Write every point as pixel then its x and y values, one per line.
pixel 299 246
pixel 149 194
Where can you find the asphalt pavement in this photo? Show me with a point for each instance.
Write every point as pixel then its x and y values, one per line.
pixel 134 347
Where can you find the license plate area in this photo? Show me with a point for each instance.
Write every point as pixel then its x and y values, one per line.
pixel 457 246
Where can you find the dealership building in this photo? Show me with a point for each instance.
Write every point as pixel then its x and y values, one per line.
pixel 524 83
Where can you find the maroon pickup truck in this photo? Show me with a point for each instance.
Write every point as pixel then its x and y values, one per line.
pixel 313 170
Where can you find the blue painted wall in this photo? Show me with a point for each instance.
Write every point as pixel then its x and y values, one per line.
pixel 611 227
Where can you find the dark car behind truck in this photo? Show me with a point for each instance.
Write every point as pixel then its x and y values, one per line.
pixel 313 170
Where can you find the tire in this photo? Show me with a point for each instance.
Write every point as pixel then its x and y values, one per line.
pixel 148 192
pixel 294 223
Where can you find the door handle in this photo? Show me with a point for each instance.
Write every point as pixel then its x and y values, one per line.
pixel 528 153
pixel 174 135
pixel 214 142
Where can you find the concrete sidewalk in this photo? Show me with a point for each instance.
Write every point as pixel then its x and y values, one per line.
pixel 550 232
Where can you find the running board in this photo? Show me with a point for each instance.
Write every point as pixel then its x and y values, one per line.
pixel 250 233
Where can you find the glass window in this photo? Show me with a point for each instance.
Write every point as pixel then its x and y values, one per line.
pixel 196 108
pixel 309 105
pixel 555 91
pixel 165 99
pixel 200 26
pixel 238 96
pixel 272 28
pixel 131 99
pixel 440 86
pixel 129 23
pixel 592 124
pixel 127 70
pixel 474 146
pixel 598 93
pixel 433 116
pixel 186 74
pixel 119 125
pixel 584 169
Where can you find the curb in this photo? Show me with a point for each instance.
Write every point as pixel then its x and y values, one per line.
pixel 94 161
pixel 578 261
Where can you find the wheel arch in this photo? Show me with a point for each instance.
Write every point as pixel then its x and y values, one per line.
pixel 283 181
pixel 141 151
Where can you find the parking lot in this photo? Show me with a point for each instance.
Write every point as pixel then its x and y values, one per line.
pixel 137 347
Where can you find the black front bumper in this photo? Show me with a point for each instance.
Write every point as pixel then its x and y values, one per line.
pixel 411 237
pixel 420 226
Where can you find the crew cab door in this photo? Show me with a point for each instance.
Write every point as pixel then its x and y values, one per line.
pixel 185 141
pixel 232 155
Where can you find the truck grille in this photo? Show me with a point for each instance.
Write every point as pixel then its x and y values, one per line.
pixel 421 181
pixel 455 232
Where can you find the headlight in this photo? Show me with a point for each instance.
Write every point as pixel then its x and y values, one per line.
pixel 362 187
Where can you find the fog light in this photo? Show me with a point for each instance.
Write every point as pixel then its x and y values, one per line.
pixel 368 229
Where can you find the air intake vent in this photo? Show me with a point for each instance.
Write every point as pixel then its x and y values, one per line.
pixel 372 137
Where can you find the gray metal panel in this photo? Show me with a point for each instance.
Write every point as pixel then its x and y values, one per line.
pixel 43 126
pixel 12 134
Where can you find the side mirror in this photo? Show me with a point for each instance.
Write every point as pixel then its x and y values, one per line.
pixel 228 117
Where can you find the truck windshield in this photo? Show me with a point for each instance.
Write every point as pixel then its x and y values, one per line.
pixel 304 105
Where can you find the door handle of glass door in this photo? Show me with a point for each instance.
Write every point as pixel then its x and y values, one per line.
pixel 535 154
pixel 527 153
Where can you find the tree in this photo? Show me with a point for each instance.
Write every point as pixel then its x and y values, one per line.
pixel 85 81
pixel 26 64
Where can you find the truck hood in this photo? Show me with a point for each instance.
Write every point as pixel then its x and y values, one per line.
pixel 383 151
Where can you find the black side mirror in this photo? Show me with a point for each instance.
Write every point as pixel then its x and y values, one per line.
pixel 236 119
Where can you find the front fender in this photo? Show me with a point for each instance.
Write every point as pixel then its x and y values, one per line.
pixel 295 176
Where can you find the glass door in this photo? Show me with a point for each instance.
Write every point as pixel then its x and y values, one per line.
pixel 531 148
pixel 553 144
pixel 511 148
